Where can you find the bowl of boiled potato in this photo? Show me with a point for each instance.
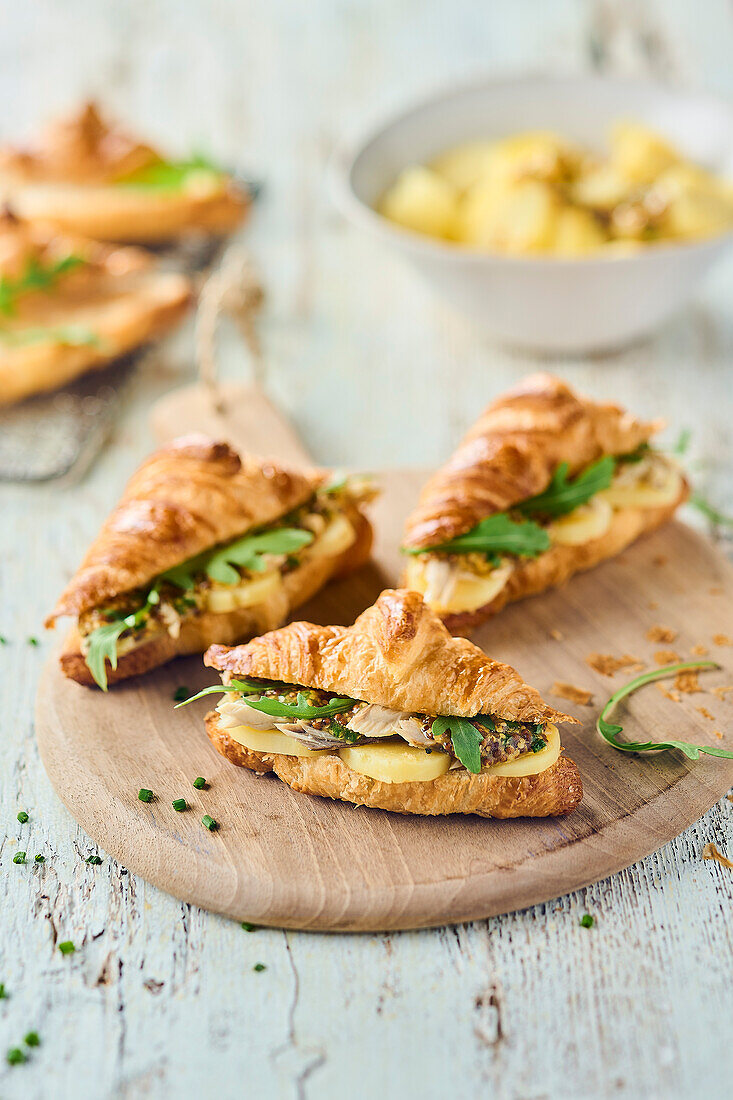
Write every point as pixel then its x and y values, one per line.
pixel 561 215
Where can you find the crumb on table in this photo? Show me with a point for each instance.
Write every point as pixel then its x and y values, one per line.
pixel 572 693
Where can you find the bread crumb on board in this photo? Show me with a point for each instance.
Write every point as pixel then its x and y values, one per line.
pixel 716 590
pixel 667 657
pixel 722 639
pixel 711 852
pixel 572 693
pixel 705 713
pixel 660 559
pixel 660 634
pixel 719 735
pixel 699 651
pixel 723 690
pixel 687 682
pixel 673 695
pixel 608 665
pixel 557 634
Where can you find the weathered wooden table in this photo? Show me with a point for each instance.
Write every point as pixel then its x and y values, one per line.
pixel 161 999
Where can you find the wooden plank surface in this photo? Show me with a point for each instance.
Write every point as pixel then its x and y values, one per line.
pixel 160 998
pixel 291 861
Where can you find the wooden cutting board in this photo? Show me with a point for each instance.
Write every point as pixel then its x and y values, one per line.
pixel 289 860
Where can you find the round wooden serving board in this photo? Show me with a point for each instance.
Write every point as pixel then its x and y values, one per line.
pixel 290 860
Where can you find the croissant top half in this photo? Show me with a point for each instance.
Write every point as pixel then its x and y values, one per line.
pixel 397 654
pixel 512 452
pixel 185 498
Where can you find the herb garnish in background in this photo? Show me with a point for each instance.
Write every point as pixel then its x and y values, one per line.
pixel 145 794
pixel 610 732
pixel 208 822
pixel 15 1056
pixel 248 927
pixel 179 805
pixel 32 1039
pixel 165 175
pixel 562 496
pixel 199 782
pixel 180 694
pixel 67 947
pixel 19 857
pixel 72 336
pixel 259 967
pixel 22 817
pixel 586 921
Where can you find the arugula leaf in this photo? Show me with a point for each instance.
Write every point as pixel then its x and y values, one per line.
pixel 244 687
pixel 71 335
pixel 182 576
pixel 301 709
pixel 35 277
pixel 610 731
pixel 496 535
pixel 247 552
pixel 697 500
pixel 102 644
pixel 466 740
pixel 635 456
pixel 170 175
pixel 562 496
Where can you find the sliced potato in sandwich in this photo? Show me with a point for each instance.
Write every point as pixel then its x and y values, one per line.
pixel 206 546
pixel 393 713
pixel 547 483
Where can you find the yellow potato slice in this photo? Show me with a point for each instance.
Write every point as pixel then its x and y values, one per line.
pixel 423 201
pixel 587 522
pixel 645 494
pixel 464 591
pixel 534 762
pixel 337 537
pixel 395 762
pixel 271 741
pixel 223 598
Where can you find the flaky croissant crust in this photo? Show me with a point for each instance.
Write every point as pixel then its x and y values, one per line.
pixel 397 654
pixel 512 451
pixel 185 498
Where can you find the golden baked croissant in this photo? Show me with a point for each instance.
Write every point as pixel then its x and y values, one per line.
pixel 547 483
pixel 70 305
pixel 89 176
pixel 206 545
pixel 393 713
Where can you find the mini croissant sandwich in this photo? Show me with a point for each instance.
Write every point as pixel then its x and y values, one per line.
pixel 394 713
pixel 547 483
pixel 89 176
pixel 206 545
pixel 70 305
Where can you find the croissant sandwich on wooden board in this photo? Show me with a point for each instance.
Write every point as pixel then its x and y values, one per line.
pixel 546 484
pixel 206 545
pixel 71 305
pixel 393 713
pixel 89 176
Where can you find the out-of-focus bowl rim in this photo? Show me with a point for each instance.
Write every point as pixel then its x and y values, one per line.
pixel 348 153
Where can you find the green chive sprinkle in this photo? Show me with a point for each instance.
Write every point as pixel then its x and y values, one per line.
pixel 22 817
pixel 32 1040
pixel 33 641
pixel 259 966
pixel 586 921
pixel 248 927
pixel 199 783
pixel 180 805
pixel 209 823
pixel 3 992
pixel 67 948
pixel 145 795
pixel 19 857
pixel 40 859
pixel 15 1056
pixel 94 861
pixel 3 640
pixel 180 694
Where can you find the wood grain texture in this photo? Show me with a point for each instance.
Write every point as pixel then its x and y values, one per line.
pixel 296 861
pixel 160 998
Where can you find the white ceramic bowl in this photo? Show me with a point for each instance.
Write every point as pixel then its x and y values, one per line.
pixel 541 303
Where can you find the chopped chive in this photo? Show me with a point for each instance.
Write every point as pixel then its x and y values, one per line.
pixel 22 817
pixel 587 921
pixel 19 857
pixel 94 861
pixel 249 927
pixel 180 694
pixel 40 859
pixel 32 1039
pixel 145 795
pixel 199 782
pixel 33 641
pixel 15 1056
pixel 67 948
pixel 180 805
pixel 209 823
pixel 259 966
pixel 3 640
pixel 3 992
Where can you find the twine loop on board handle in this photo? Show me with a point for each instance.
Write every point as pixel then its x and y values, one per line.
pixel 234 290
